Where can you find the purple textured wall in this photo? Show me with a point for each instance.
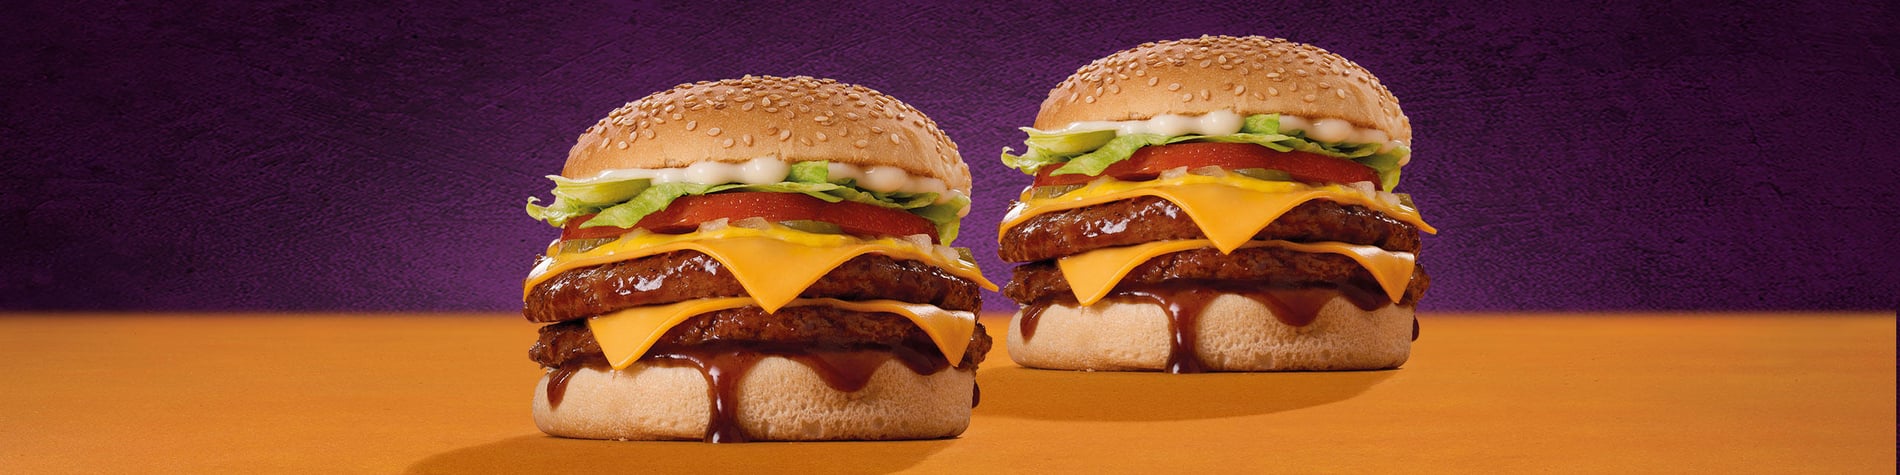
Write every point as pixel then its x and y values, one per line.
pixel 284 155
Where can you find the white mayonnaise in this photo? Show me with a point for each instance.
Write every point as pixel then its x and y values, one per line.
pixel 768 170
pixel 1212 123
pixel 1227 122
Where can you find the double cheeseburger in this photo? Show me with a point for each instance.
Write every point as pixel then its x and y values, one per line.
pixel 1215 204
pixel 757 259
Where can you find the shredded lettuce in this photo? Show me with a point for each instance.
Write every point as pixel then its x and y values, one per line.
pixel 1090 153
pixel 623 203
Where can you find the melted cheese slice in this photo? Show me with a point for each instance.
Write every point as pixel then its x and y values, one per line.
pixel 626 335
pixel 1093 274
pixel 774 265
pixel 1230 209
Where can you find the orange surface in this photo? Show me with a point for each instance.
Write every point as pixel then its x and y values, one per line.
pixel 1483 393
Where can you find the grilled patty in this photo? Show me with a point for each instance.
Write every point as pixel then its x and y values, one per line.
pixel 1148 219
pixel 1269 266
pixel 817 327
pixel 686 275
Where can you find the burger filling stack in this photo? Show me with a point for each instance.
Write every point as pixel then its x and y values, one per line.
pixel 1215 204
pixel 757 259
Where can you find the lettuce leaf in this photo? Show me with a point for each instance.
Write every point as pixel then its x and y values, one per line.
pixel 623 203
pixel 1116 150
pixel 1071 153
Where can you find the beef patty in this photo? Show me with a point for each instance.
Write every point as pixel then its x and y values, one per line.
pixel 685 275
pixel 816 327
pixel 1270 266
pixel 1148 219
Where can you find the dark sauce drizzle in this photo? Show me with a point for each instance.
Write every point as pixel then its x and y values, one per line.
pixel 557 382
pixel 725 364
pixel 1183 301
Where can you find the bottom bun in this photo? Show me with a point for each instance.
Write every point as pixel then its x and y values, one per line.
pixel 1235 334
pixel 778 399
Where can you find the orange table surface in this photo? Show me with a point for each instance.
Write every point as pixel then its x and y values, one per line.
pixel 385 393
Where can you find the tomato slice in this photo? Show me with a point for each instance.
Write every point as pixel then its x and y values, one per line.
pixel 685 214
pixel 1149 162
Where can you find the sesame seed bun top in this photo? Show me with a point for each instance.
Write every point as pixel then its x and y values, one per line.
pixel 793 119
pixel 1249 75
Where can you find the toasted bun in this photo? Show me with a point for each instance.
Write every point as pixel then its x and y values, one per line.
pixel 779 399
pixel 793 119
pixel 1250 75
pixel 1235 334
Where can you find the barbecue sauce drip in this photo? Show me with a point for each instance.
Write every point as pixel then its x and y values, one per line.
pixel 557 382
pixel 1033 313
pixel 1185 300
pixel 725 364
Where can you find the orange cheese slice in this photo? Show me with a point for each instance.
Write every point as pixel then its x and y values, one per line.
pixel 1093 274
pixel 1230 209
pixel 774 265
pixel 626 335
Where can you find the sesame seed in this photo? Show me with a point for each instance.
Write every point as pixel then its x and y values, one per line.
pixel 861 143
pixel 1310 98
pixel 621 145
pixel 1174 87
pixel 692 124
pixel 713 132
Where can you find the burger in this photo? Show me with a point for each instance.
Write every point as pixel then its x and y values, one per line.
pixel 760 258
pixel 1215 204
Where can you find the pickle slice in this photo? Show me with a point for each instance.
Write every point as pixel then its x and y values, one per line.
pixel 811 226
pixel 584 245
pixel 1264 174
pixel 1043 192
